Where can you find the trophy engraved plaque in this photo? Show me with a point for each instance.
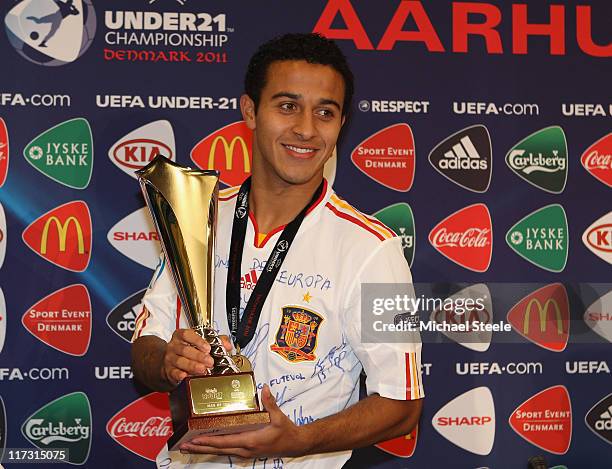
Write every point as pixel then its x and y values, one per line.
pixel 183 205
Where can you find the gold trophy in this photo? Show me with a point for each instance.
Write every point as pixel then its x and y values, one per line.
pixel 183 205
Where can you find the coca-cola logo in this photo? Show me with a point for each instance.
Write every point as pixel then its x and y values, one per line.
pixel 472 237
pixel 596 161
pixel 153 426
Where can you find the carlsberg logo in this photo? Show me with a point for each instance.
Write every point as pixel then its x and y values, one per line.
pixel 48 432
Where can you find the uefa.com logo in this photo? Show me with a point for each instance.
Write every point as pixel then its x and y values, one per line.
pixel 51 33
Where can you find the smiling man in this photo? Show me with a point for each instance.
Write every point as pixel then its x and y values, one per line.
pixel 306 349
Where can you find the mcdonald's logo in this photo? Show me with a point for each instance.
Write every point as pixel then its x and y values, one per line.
pixel 228 150
pixel 62 236
pixel 543 317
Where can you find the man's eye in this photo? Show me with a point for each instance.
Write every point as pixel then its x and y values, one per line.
pixel 327 113
pixel 288 106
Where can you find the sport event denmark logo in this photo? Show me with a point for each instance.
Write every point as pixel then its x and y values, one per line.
pixel 400 219
pixel 468 421
pixel 4 152
pixel 122 318
pixel 51 32
pixel 138 148
pixel 599 419
pixel 135 237
pixel 542 238
pixel 62 320
pixel 62 423
pixel 597 160
pixel 2 320
pixel 545 420
pixel 402 446
pixel 541 159
pixel 598 238
pixel 2 235
pixel 143 426
pixel 466 237
pixel 388 157
pixel 64 153
pixel 543 317
pixel 465 158
pixel 62 236
pixel 598 316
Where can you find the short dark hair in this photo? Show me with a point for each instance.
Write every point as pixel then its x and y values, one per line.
pixel 313 48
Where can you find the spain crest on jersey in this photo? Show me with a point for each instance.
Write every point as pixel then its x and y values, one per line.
pixel 296 338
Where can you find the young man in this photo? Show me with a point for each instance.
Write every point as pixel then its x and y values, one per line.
pixel 306 349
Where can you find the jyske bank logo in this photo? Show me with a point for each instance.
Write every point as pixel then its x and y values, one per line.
pixel 545 420
pixel 400 219
pixel 62 423
pixel 228 150
pixel 138 148
pixel 135 237
pixel 598 238
pixel 541 159
pixel 4 152
pixel 599 419
pixel 122 318
pixel 388 157
pixel 62 236
pixel 64 153
pixel 466 237
pixel 465 158
pixel 143 426
pixel 468 421
pixel 62 320
pixel 598 316
pixel 542 238
pixel 597 160
pixel 543 317
pixel 51 32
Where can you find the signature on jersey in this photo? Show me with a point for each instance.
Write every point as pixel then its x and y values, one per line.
pixel 333 359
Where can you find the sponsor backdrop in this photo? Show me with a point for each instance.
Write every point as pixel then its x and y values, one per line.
pixel 481 133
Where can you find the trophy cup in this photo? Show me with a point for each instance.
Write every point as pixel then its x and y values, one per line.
pixel 183 205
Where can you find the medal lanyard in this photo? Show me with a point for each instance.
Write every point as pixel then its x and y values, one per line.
pixel 242 330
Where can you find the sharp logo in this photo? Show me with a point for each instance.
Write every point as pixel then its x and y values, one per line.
pixel 599 419
pixel 541 159
pixel 598 238
pixel 143 426
pixel 3 429
pixel 135 237
pixel 2 321
pixel 227 150
pixel 597 160
pixel 545 420
pixel 64 153
pixel 468 421
pixel 388 157
pixel 62 236
pixel 598 316
pixel 542 238
pixel 400 219
pixel 51 33
pixel 62 320
pixel 122 318
pixel 402 446
pixel 62 423
pixel 477 340
pixel 2 236
pixel 542 317
pixel 465 158
pixel 136 149
pixel 466 237
pixel 4 152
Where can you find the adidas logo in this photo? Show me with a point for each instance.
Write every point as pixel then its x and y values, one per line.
pixel 605 421
pixel 248 281
pixel 463 155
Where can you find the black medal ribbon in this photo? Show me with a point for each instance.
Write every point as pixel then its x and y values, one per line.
pixel 243 330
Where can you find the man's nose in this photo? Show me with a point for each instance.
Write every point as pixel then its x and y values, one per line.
pixel 305 126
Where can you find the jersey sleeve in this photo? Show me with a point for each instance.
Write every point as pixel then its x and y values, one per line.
pixel 393 369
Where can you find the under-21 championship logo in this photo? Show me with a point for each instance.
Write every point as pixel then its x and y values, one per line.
pixel 296 338
pixel 62 236
pixel 143 426
pixel 135 237
pixel 545 420
pixel 543 317
pixel 466 237
pixel 542 238
pixel 4 152
pixel 599 419
pixel 122 318
pixel 541 159
pixel 400 219
pixel 62 423
pixel 62 320
pixel 598 238
pixel 64 153
pixel 51 32
pixel 388 157
pixel 598 316
pixel 465 158
pixel 597 160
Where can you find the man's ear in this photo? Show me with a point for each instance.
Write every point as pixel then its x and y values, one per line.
pixel 247 108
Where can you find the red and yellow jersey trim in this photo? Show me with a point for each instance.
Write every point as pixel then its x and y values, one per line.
pixel 344 210
pixel 414 384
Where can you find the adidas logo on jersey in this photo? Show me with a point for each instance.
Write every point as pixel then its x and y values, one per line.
pixel 248 280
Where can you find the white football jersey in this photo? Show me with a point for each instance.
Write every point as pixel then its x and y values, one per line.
pixel 307 345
